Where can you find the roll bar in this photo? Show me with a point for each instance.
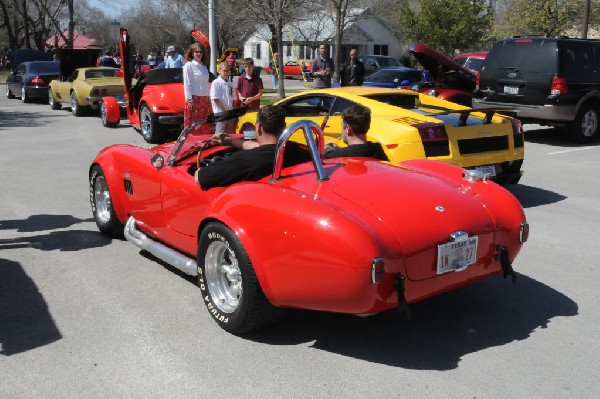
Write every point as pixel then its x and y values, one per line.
pixel 316 147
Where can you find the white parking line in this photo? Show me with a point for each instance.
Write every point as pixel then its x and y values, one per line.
pixel 574 149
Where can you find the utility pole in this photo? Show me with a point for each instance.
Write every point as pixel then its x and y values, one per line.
pixel 212 36
pixel 586 19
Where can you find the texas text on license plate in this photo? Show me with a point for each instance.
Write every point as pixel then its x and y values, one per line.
pixel 456 255
pixel 489 169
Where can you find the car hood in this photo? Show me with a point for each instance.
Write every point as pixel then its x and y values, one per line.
pixel 436 63
pixel 19 56
pixel 420 210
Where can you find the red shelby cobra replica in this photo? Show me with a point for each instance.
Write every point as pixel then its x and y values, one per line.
pixel 349 235
pixel 155 103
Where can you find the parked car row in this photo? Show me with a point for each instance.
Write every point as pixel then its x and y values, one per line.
pixel 440 225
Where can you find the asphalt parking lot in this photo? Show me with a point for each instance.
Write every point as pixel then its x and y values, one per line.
pixel 83 316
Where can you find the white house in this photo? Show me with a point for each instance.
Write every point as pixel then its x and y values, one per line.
pixel 368 34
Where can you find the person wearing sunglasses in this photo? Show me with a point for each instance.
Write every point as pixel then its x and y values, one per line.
pixel 195 84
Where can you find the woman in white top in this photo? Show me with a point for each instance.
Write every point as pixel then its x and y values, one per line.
pixel 195 85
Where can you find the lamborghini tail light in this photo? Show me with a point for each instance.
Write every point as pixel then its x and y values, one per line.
pixel 558 86
pixel 434 139
pixel 37 81
pixel 432 132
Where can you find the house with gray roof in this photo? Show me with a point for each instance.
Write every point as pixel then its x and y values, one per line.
pixel 301 39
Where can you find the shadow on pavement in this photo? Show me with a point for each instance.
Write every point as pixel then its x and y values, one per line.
pixel 66 240
pixel 25 322
pixel 41 222
pixel 554 137
pixel 445 328
pixel 22 119
pixel 531 197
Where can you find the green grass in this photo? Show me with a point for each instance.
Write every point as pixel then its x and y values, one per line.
pixel 3 74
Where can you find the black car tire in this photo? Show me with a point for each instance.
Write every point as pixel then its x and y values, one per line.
pixel 230 288
pixel 103 117
pixel 101 201
pixel 9 93
pixel 53 104
pixel 24 97
pixel 585 127
pixel 152 131
pixel 76 109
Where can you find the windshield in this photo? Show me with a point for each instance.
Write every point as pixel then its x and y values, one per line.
pixel 385 61
pixel 195 135
pixel 100 73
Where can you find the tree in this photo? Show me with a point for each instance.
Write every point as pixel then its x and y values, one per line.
pixel 447 25
pixel 275 14
pixel 548 18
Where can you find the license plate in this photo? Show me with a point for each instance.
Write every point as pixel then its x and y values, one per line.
pixel 511 89
pixel 489 169
pixel 456 256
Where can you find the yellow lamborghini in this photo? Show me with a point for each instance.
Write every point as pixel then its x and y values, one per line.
pixel 411 125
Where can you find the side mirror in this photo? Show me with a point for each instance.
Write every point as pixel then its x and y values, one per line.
pixel 157 161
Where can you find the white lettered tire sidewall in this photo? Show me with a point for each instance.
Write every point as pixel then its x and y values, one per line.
pixel 231 275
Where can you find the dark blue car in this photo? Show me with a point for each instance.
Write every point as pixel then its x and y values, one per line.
pixel 395 77
pixel 30 79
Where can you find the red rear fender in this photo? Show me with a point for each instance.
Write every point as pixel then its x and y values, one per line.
pixel 304 253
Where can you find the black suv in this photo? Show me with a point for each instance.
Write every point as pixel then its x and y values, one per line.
pixel 549 81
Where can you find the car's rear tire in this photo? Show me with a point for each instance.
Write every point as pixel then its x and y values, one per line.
pixel 52 101
pixel 9 93
pixel 102 208
pixel 230 288
pixel 585 127
pixel 104 117
pixel 24 97
pixel 76 109
pixel 152 131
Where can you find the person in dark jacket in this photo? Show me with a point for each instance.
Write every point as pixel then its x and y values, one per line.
pixel 108 60
pixel 256 159
pixel 352 73
pixel 356 121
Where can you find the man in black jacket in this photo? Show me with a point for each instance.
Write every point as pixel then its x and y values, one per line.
pixel 256 159
pixel 352 73
pixel 356 121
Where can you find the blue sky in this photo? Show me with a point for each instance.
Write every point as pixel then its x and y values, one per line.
pixel 112 8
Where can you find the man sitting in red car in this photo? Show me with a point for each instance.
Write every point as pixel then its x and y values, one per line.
pixel 254 163
pixel 356 121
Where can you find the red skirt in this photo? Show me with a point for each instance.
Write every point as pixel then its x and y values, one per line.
pixel 199 111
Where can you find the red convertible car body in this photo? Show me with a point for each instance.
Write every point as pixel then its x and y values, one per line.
pixel 348 235
pixel 295 69
pixel 155 101
pixel 452 82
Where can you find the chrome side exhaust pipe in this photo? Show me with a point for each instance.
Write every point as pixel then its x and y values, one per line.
pixel 161 251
